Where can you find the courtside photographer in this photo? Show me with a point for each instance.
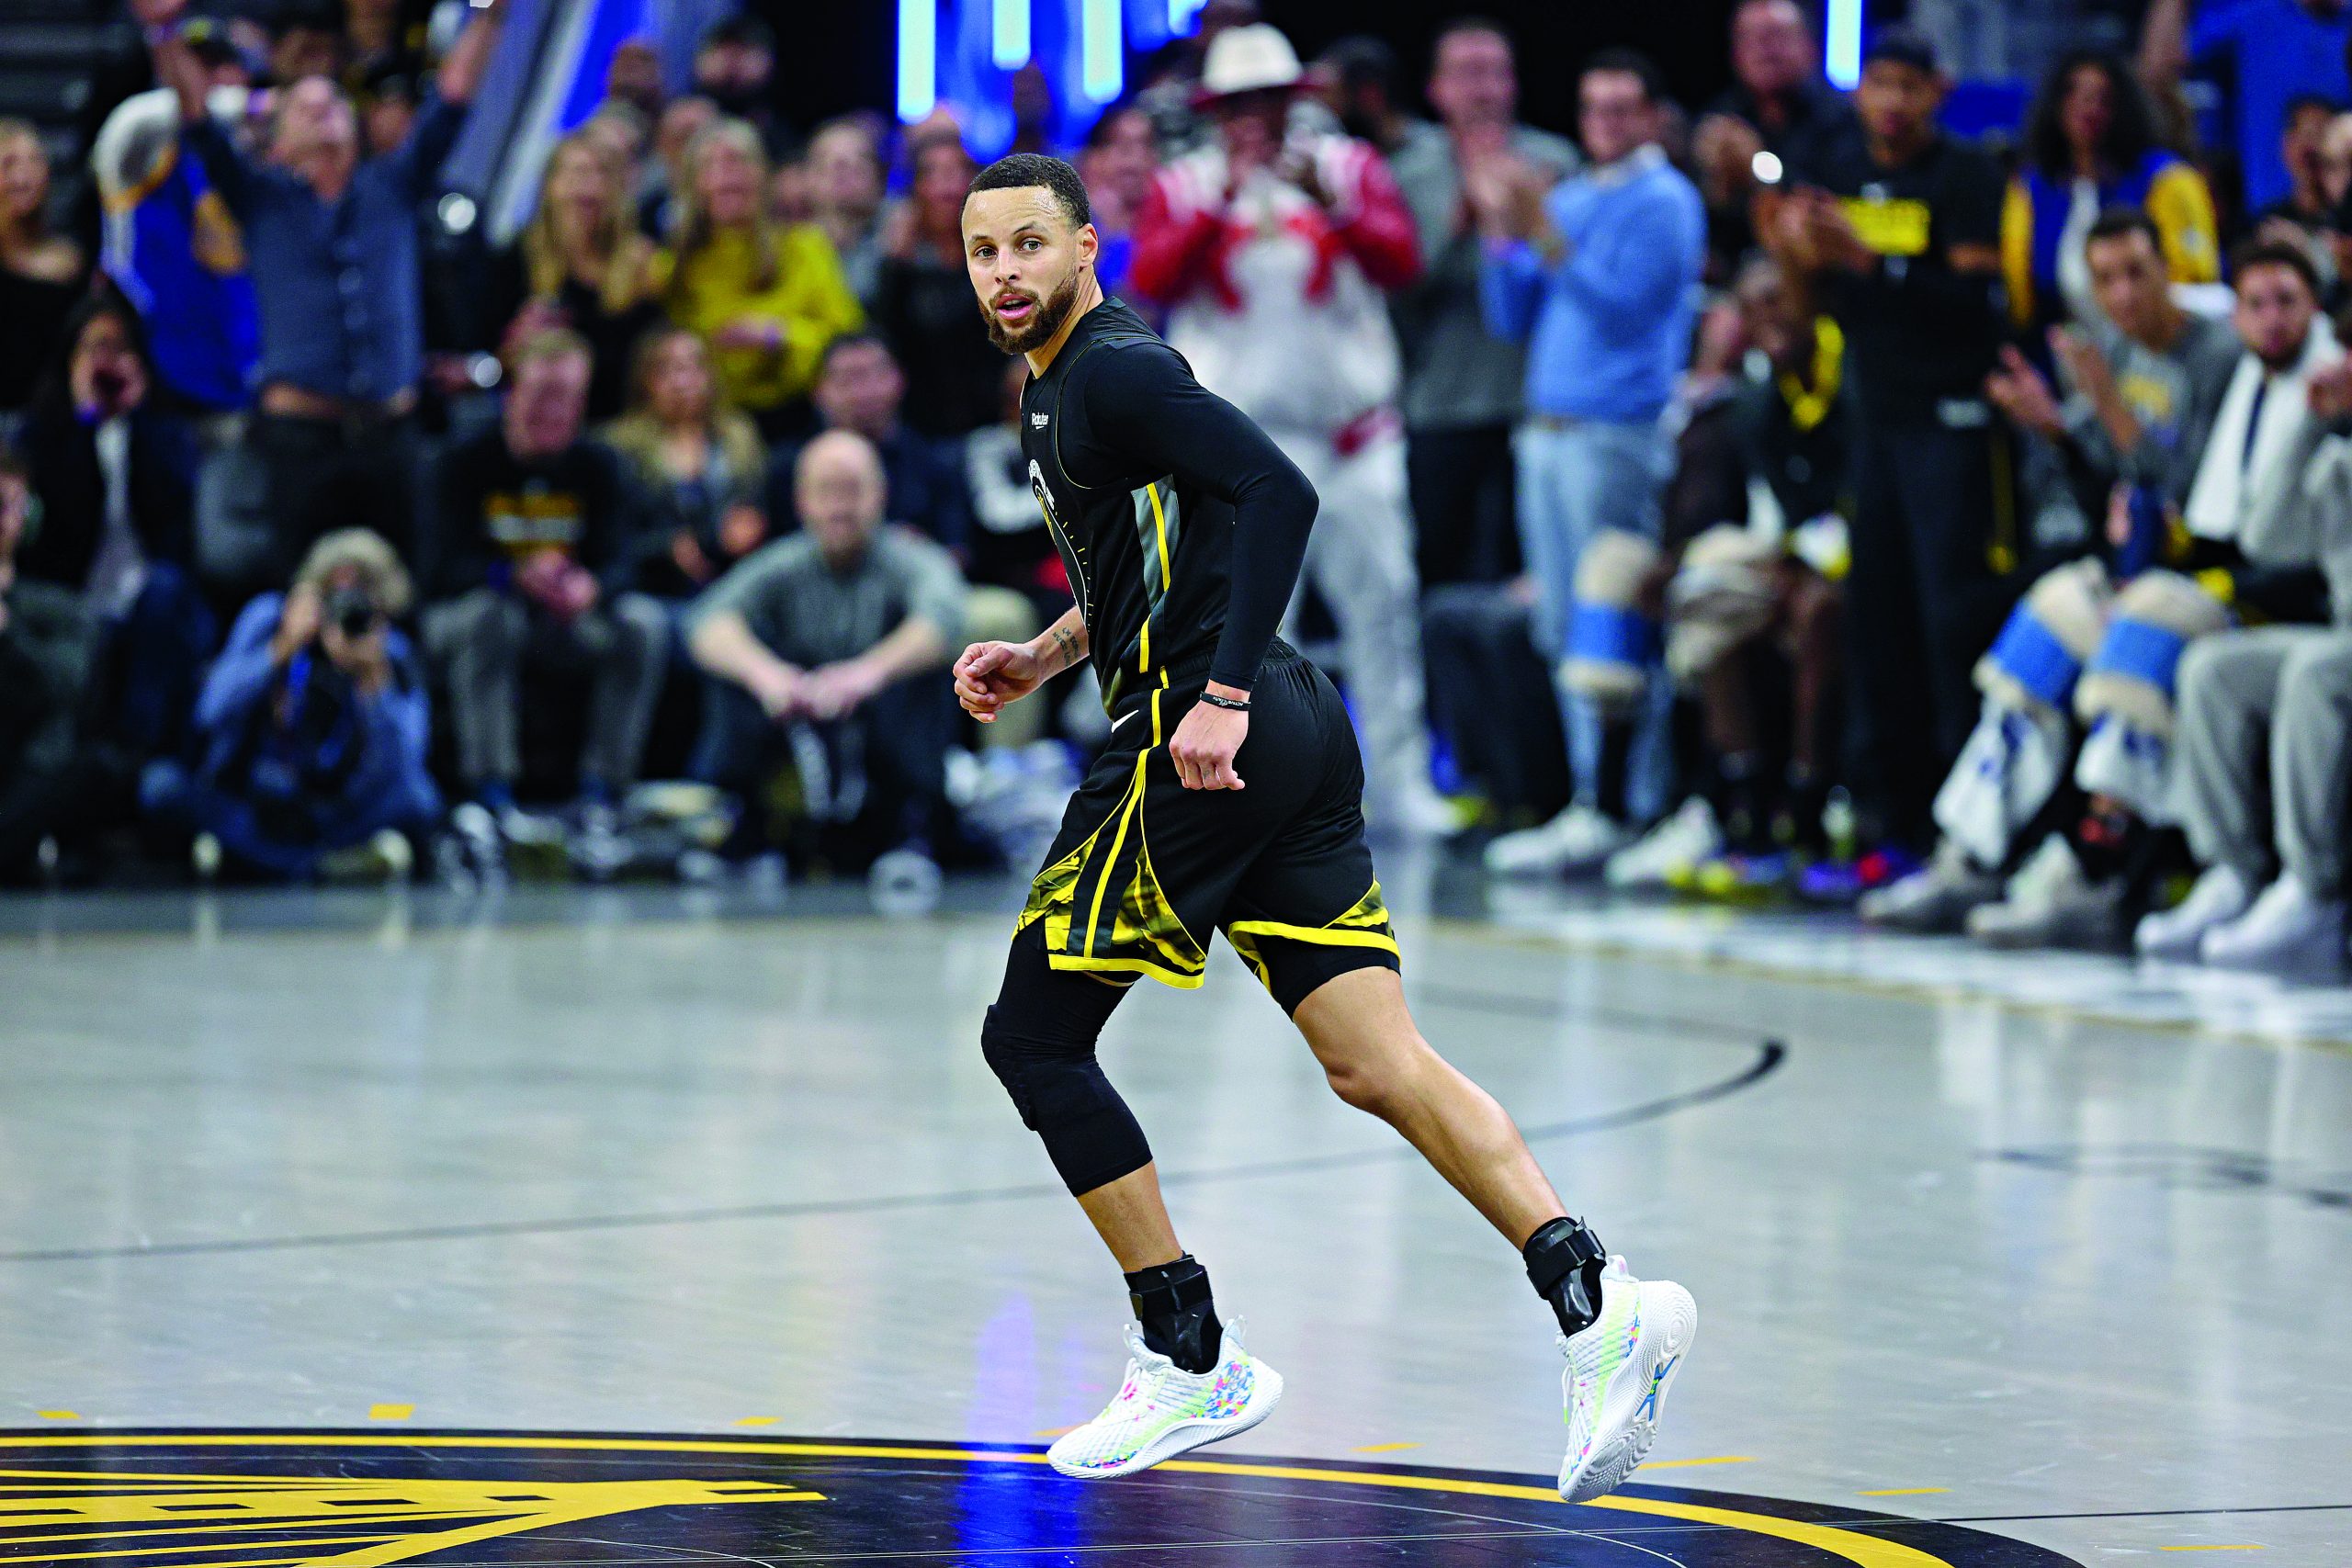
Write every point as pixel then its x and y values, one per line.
pixel 311 731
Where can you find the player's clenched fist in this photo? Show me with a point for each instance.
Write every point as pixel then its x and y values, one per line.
pixel 991 674
pixel 1205 745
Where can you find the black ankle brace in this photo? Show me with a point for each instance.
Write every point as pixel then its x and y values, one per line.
pixel 1179 1316
pixel 1564 1263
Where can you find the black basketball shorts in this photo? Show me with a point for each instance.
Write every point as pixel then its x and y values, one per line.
pixel 1144 869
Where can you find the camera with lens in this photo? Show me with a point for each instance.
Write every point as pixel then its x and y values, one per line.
pixel 350 611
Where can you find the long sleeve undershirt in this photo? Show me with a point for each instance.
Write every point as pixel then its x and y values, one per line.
pixel 1144 410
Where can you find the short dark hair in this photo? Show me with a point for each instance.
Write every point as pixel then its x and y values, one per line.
pixel 847 341
pixel 2118 222
pixel 1460 25
pixel 2276 253
pixel 1904 45
pixel 2297 103
pixel 1099 133
pixel 1359 60
pixel 1018 171
pixel 742 30
pixel 1629 62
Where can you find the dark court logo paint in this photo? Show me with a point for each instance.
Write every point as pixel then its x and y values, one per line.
pixel 271 1499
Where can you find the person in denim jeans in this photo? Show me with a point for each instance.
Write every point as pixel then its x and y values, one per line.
pixel 1597 274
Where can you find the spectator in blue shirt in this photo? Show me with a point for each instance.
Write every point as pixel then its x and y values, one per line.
pixel 2277 50
pixel 332 247
pixel 312 724
pixel 1598 276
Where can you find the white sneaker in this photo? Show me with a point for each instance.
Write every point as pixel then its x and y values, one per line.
pixel 2286 928
pixel 1936 898
pixel 1161 1411
pixel 385 857
pixel 2219 897
pixel 1618 1374
pixel 2049 902
pixel 600 849
pixel 1576 839
pixel 1674 847
pixel 1417 812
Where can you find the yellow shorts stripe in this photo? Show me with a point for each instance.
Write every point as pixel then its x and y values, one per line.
pixel 1327 936
pixel 1183 980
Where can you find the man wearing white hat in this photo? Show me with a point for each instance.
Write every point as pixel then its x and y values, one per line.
pixel 1271 247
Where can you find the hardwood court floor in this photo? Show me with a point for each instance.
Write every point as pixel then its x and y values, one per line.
pixel 2064 1251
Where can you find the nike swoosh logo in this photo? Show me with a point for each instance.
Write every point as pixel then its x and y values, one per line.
pixel 1122 719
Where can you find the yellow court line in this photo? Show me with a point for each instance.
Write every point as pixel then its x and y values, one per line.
pixel 1055 1432
pixel 228 1546
pixel 1864 1551
pixel 1383 1448
pixel 58 1415
pixel 757 1420
pixel 1903 1491
pixel 390 1412
pixel 1688 1463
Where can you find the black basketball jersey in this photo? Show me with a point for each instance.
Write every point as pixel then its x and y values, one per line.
pixel 1142 477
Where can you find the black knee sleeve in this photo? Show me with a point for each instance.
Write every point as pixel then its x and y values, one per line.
pixel 1039 1040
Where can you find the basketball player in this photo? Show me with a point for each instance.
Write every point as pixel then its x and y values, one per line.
pixel 1229 798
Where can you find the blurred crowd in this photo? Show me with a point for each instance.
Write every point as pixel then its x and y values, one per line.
pixel 1793 499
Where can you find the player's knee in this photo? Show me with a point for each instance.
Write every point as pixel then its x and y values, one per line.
pixel 1053 1083
pixel 1362 1085
pixel 1378 1082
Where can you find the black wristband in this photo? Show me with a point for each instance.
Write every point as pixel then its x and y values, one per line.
pixel 1231 705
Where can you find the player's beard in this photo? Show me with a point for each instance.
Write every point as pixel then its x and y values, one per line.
pixel 1042 322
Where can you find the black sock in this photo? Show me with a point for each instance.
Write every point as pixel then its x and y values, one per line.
pixel 1613 764
pixel 2106 841
pixel 1173 1302
pixel 1742 814
pixel 1564 1263
pixel 1804 800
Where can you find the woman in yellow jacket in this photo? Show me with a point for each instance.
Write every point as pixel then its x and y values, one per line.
pixel 2091 144
pixel 767 296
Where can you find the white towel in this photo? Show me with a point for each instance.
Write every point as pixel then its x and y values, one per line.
pixel 2225 480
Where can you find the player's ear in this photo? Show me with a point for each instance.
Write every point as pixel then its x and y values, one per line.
pixel 1089 243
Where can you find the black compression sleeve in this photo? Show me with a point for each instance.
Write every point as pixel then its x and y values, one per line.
pixel 1142 399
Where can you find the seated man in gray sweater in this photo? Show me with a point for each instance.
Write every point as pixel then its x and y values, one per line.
pixel 2266 731
pixel 831 646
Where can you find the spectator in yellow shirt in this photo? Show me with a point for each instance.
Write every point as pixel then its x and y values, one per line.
pixel 767 296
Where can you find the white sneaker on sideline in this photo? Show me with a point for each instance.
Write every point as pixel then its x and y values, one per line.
pixel 1936 898
pixel 2286 928
pixel 2218 896
pixel 1675 846
pixel 1619 1368
pixel 1161 1411
pixel 2049 902
pixel 1417 813
pixel 1578 839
